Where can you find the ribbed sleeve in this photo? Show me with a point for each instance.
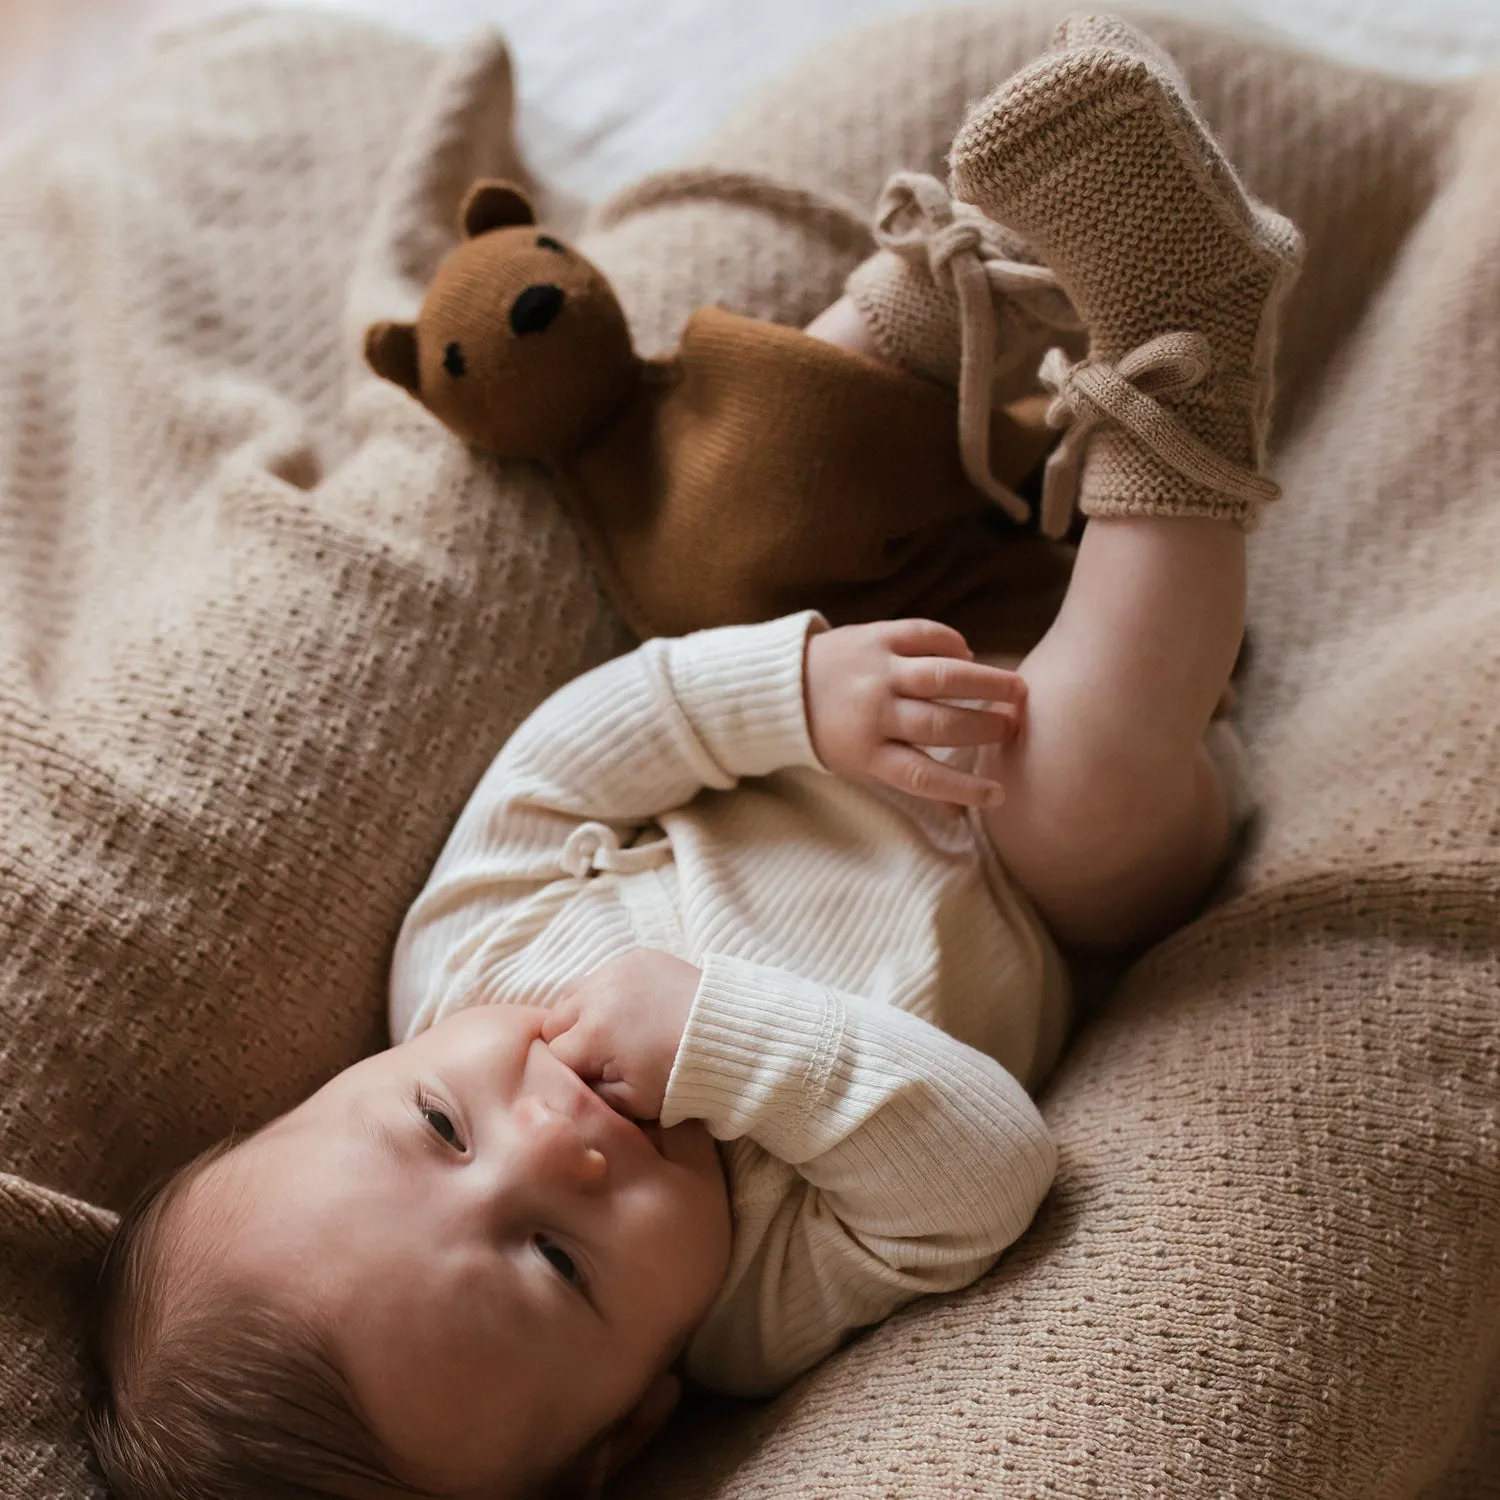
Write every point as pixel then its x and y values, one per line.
pixel 917 1161
pixel 615 748
pixel 741 687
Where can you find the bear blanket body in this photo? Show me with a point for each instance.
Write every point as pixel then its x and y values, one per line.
pixel 754 473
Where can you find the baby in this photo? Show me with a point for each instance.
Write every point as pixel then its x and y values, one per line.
pixel 716 1022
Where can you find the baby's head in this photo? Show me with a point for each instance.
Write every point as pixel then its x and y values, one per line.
pixel 452 1271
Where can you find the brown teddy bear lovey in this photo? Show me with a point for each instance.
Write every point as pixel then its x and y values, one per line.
pixel 756 472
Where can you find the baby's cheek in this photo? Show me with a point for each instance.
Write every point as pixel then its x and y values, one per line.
pixel 679 1234
pixel 707 1233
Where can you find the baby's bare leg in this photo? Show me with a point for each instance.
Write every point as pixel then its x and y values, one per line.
pixel 1114 819
pixel 843 325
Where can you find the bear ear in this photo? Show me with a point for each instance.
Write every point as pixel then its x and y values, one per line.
pixel 494 205
pixel 391 351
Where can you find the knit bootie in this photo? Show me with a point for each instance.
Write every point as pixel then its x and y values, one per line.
pixel 1097 155
pixel 959 299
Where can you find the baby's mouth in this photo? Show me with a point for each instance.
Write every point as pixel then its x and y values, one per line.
pixel 582 1102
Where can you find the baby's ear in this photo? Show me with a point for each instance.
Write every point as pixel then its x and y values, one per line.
pixel 391 351
pixel 493 204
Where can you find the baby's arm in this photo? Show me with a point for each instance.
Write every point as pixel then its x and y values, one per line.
pixel 614 748
pixel 918 1161
pixel 645 733
pixel 905 1162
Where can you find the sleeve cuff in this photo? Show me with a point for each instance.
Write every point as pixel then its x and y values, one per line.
pixel 741 687
pixel 798 1067
pixel 756 1053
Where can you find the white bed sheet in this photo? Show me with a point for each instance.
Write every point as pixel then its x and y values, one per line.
pixel 614 88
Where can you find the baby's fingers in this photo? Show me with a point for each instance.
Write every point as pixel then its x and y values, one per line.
pixel 579 1047
pixel 918 722
pixel 909 770
pixel 925 638
pixel 943 677
pixel 622 1097
pixel 559 1018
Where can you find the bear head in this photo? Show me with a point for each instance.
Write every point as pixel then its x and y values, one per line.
pixel 521 347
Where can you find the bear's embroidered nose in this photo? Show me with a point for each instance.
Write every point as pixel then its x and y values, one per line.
pixel 536 308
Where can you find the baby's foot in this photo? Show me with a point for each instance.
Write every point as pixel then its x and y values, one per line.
pixel 909 292
pixel 844 326
pixel 1096 154
pixel 954 297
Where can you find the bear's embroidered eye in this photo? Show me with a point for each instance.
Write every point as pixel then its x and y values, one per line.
pixel 535 308
pixel 546 242
pixel 453 360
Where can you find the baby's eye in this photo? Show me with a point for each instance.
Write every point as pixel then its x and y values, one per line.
pixel 559 1260
pixel 441 1124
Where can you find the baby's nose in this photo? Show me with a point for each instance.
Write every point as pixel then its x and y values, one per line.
pixel 536 308
pixel 554 1150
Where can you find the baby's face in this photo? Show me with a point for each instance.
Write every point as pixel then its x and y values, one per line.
pixel 505 1262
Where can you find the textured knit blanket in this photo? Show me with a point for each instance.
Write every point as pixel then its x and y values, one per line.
pixel 263 623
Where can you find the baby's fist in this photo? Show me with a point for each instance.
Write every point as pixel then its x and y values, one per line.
pixel 620 1026
pixel 878 693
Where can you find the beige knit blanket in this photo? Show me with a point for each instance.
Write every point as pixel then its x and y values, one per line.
pixel 262 624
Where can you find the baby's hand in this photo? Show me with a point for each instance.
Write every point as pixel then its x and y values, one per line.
pixel 619 1028
pixel 875 693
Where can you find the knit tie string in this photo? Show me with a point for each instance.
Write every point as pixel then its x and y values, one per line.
pixel 1090 393
pixel 595 848
pixel 917 220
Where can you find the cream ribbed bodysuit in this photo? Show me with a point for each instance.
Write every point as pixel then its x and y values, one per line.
pixel 876 994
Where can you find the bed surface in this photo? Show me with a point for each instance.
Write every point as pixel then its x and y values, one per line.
pixel 614 88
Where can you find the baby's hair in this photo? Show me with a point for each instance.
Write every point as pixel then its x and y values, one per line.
pixel 216 1394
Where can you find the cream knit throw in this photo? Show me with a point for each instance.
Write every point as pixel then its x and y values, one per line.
pixel 262 625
